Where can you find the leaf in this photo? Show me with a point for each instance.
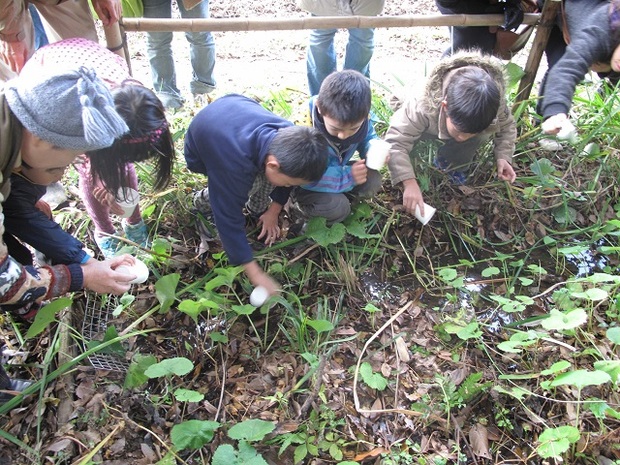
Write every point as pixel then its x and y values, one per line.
pixel 555 441
pixel 542 167
pixel 114 349
pixel 193 434
pixel 560 321
pixel 556 367
pixel 447 274
pixel 165 289
pixel 46 315
pixel 611 367
pixel 320 326
pixel 135 373
pixel 479 440
pixel 564 214
pixel 490 271
pixel 187 395
pixel 372 379
pixel 613 334
pixel 323 234
pixel 191 308
pixel 179 366
pixel 516 392
pixel 593 294
pixel 246 309
pixel 251 430
pixel 581 379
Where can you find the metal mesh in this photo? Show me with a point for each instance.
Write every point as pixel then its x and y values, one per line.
pixel 97 312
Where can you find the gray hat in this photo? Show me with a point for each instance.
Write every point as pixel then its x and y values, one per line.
pixel 70 109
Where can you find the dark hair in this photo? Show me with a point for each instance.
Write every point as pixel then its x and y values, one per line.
pixel 472 100
pixel 148 137
pixel 345 96
pixel 301 152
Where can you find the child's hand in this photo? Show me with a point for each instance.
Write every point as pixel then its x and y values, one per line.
pixel 412 196
pixel 359 171
pixel 270 228
pixel 505 171
pixel 553 124
pixel 105 198
pixel 258 277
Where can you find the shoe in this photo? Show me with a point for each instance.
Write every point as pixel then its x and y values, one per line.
pixel 9 388
pixel 108 245
pixel 201 100
pixel 171 102
pixel 204 219
pixel 137 233
pixel 457 177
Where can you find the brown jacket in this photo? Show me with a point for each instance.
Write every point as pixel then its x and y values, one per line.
pixel 424 116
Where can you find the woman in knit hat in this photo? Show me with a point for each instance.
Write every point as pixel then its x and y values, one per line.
pixel 104 171
pixel 45 122
pixel 591 31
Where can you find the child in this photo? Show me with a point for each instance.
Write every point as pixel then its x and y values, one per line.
pixel 463 105
pixel 35 142
pixel 340 112
pixel 593 43
pixel 250 155
pixel 106 170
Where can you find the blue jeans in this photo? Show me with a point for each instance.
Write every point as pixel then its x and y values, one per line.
pixel 321 60
pixel 202 53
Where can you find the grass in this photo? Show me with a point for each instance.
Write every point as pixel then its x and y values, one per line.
pixel 505 309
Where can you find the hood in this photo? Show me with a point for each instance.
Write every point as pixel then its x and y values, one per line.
pixel 434 90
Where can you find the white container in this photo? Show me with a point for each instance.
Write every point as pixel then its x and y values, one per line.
pixel 128 199
pixel 568 132
pixel 259 296
pixel 139 269
pixel 428 213
pixel 377 154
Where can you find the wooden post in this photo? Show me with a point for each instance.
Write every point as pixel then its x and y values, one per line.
pixel 547 21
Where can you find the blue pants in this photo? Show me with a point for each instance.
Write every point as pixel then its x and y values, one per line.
pixel 321 60
pixel 202 53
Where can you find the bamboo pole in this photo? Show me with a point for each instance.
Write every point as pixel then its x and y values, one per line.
pixel 313 22
pixel 115 41
pixel 547 21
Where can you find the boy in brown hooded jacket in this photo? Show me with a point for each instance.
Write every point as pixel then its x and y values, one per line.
pixel 463 105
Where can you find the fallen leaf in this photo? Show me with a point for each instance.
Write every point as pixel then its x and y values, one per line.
pixel 478 438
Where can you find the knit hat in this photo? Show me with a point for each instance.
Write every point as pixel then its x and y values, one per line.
pixel 70 109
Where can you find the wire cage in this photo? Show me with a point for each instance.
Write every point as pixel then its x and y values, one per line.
pixel 97 312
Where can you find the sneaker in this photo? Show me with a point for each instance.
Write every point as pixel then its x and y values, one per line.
pixel 137 233
pixel 108 245
pixel 9 388
pixel 204 219
pixel 457 177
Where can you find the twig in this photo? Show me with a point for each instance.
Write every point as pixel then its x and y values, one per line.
pixel 305 252
pixel 433 417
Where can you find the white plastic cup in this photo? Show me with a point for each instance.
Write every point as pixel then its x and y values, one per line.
pixel 568 132
pixel 128 199
pixel 259 296
pixel 377 154
pixel 428 213
pixel 139 269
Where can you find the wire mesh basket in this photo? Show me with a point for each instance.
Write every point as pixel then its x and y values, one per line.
pixel 97 312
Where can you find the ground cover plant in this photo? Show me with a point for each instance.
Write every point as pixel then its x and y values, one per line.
pixel 490 335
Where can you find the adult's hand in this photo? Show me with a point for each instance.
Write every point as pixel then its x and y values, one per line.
pixel 505 171
pixel 14 54
pixel 513 15
pixel 102 277
pixel 553 124
pixel 109 11
pixel 412 196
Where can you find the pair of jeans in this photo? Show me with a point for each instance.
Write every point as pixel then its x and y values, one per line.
pixel 201 46
pixel 321 59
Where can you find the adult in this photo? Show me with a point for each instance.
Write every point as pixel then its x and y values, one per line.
pixel 321 55
pixel 159 48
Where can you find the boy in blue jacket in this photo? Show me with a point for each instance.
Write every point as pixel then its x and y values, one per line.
pixel 340 112
pixel 252 158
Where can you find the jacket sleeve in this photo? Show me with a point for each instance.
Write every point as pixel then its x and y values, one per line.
pixel 585 49
pixel 12 20
pixel 25 221
pixel 20 285
pixel 407 125
pixel 505 138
